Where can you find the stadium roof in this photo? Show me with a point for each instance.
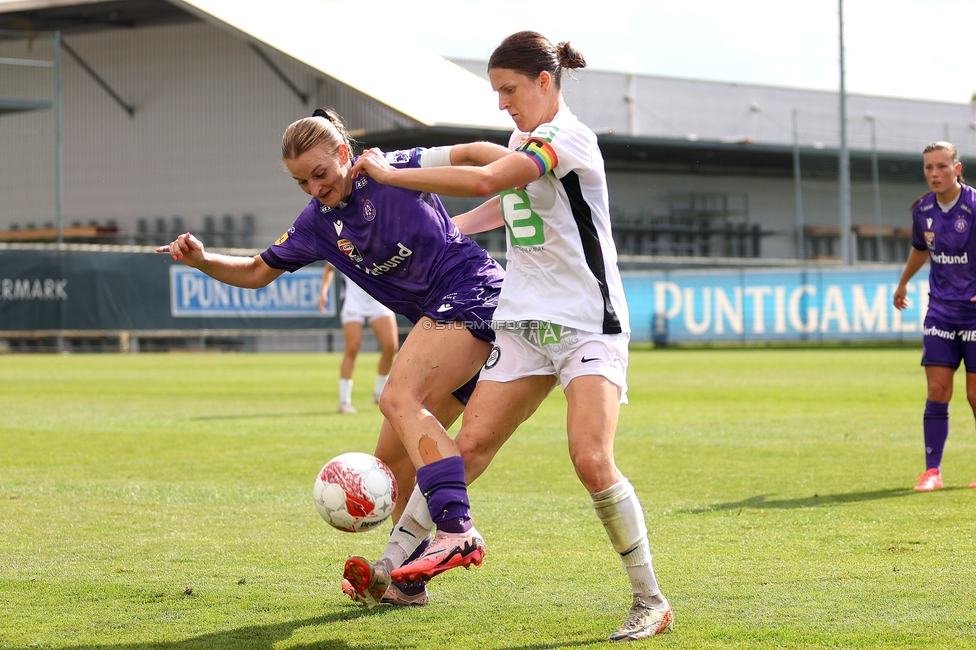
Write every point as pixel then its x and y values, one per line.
pixel 392 69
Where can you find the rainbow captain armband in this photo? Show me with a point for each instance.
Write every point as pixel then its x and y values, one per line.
pixel 541 153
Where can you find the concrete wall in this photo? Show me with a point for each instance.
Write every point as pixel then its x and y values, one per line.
pixel 204 139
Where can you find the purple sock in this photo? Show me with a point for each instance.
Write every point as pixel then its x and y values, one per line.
pixel 443 485
pixel 935 426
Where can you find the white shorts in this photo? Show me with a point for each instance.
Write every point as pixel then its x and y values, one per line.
pixel 564 352
pixel 360 307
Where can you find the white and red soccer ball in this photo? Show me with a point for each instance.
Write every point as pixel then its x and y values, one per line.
pixel 355 492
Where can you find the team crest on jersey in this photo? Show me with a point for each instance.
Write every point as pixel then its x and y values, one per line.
pixel 284 238
pixel 350 249
pixel 930 240
pixel 961 225
pixel 394 157
pixel 361 182
pixel 325 209
pixel 369 210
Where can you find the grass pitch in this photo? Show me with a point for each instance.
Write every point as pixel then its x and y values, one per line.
pixel 164 501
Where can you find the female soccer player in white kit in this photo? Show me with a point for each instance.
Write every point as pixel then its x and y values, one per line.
pixel 561 316
pixel 359 309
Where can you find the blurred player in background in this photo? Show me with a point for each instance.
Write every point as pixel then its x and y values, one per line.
pixel 403 249
pixel 942 233
pixel 562 318
pixel 358 309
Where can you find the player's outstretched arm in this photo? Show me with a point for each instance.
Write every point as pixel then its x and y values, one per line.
pixel 486 216
pixel 477 153
pixel 505 173
pixel 239 271
pixel 916 260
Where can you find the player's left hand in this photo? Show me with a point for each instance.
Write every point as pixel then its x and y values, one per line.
pixel 372 163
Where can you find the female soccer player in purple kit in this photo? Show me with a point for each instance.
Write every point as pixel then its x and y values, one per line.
pixel 402 248
pixel 942 233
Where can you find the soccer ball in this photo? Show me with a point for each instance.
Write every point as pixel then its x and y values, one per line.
pixel 355 492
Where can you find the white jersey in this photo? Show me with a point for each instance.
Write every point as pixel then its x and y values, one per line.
pixel 562 262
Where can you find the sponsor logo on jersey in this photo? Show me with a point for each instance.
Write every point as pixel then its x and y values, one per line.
pixel 338 226
pixel 394 157
pixel 493 357
pixel 961 225
pixel 546 132
pixel 549 335
pixel 942 334
pixel 443 308
pixel 942 258
pixel 361 182
pixel 926 207
pixel 965 208
pixel 588 359
pixel 369 210
pixel 930 240
pixel 284 238
pixel 392 263
pixel 968 335
pixel 325 209
pixel 350 249
pixel 928 222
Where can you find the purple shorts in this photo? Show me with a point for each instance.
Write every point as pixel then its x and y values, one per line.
pixel 475 307
pixel 947 343
pixel 463 394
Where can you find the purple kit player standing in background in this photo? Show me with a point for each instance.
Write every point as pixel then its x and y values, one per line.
pixel 942 232
pixel 403 249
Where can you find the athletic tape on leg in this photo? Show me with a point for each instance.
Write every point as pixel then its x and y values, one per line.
pixel 621 515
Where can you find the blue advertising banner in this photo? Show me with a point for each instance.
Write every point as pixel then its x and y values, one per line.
pixel 774 305
pixel 193 293
pixel 47 289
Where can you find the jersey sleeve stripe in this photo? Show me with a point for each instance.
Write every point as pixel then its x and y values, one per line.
pixel 592 248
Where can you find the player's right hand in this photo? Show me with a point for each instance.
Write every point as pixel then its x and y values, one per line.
pixel 186 247
pixel 901 297
pixel 372 163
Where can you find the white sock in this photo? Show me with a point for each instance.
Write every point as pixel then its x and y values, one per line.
pixel 345 391
pixel 413 528
pixel 380 383
pixel 620 512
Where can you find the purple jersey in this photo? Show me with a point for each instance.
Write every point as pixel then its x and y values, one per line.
pixel 948 238
pixel 401 247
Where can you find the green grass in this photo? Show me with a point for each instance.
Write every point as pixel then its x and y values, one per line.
pixel 164 501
